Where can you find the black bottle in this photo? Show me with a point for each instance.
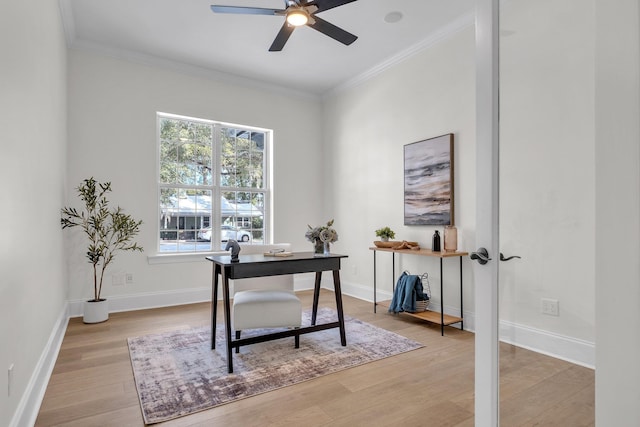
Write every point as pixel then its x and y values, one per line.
pixel 435 244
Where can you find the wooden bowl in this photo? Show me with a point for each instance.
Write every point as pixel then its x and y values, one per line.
pixel 391 243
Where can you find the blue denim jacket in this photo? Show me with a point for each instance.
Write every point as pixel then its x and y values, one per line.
pixel 408 290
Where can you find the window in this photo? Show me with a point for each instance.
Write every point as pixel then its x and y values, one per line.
pixel 212 184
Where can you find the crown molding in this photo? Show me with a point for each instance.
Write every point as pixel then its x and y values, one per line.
pixel 68 23
pixel 188 69
pixel 443 33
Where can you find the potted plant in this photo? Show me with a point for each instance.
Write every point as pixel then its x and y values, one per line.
pixel 108 231
pixel 385 233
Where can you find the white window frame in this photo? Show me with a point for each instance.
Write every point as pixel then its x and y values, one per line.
pixel 215 187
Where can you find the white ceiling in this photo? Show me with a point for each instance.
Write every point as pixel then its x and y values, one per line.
pixel 188 33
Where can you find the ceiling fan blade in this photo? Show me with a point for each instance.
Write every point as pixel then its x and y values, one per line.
pixel 282 37
pixel 328 4
pixel 245 10
pixel 332 31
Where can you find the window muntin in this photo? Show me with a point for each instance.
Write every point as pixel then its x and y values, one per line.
pixel 190 151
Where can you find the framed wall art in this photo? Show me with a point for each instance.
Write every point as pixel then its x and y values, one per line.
pixel 428 182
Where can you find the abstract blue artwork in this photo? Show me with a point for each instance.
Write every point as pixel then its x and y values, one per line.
pixel 428 182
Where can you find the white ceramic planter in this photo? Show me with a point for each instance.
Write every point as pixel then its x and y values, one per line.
pixel 96 311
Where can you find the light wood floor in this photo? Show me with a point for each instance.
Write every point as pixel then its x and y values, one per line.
pixel 92 383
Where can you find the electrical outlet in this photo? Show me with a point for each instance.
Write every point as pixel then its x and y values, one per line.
pixel 550 306
pixel 129 278
pixel 117 279
pixel 9 379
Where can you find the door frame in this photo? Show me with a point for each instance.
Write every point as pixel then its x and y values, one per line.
pixel 487 393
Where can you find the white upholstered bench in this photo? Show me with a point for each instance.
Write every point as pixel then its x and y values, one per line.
pixel 265 302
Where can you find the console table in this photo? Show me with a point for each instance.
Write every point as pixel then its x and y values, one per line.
pixel 430 316
pixel 258 265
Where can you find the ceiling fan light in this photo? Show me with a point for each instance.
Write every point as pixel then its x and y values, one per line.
pixel 297 17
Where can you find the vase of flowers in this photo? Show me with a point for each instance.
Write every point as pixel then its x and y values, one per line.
pixel 322 237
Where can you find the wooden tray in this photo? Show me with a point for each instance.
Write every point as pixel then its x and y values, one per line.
pixel 391 243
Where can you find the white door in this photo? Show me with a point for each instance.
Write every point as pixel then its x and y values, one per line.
pixel 535 196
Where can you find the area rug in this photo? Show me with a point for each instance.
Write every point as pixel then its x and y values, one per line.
pixel 176 373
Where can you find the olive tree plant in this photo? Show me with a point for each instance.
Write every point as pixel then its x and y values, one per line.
pixel 108 230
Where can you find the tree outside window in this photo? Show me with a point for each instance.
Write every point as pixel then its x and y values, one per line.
pixel 211 184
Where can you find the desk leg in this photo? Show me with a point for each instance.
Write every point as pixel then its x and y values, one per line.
pixel 227 318
pixel 316 297
pixel 441 302
pixel 214 304
pixel 338 292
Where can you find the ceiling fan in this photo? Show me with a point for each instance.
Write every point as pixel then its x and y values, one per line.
pixel 297 13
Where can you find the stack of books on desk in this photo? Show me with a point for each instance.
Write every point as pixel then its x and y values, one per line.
pixel 281 253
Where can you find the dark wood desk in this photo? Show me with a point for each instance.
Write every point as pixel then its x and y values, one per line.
pixel 258 265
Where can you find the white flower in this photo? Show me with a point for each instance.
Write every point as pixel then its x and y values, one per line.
pixel 328 235
pixel 324 233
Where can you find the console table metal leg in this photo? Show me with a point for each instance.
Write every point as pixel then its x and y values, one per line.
pixel 393 271
pixel 461 310
pixel 441 302
pixel 375 292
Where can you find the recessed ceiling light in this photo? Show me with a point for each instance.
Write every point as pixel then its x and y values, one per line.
pixel 393 17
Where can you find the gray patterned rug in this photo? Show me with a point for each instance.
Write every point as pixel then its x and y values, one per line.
pixel 177 373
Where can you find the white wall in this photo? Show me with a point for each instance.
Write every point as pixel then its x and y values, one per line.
pixel 32 169
pixel 112 137
pixel 547 165
pixel 617 213
pixel 547 171
pixel 366 128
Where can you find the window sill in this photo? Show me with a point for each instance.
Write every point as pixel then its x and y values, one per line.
pixel 178 258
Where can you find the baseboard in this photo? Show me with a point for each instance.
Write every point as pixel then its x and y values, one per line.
pixel 148 300
pixel 29 406
pixel 304 282
pixel 143 301
pixel 362 292
pixel 574 350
